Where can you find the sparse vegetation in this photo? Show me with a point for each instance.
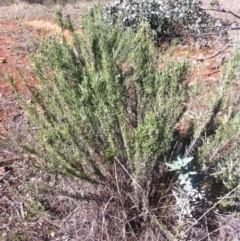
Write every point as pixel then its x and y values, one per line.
pixel 102 127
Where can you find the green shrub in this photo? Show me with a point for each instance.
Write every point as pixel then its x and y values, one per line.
pixel 221 150
pixel 103 111
pixel 102 102
pixel 166 18
pixel 94 110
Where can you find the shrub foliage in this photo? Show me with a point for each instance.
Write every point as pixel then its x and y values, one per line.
pixel 166 18
pixel 104 98
pixel 105 112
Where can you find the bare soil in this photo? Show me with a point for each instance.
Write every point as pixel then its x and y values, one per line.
pixel 231 6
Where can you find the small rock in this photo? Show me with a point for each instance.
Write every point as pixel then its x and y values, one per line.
pixel 3 60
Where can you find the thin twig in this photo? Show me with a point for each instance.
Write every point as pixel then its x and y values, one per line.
pixel 213 207
pixel 9 161
pixel 206 27
pixel 51 222
pixel 70 214
pixel 222 10
pixel 4 176
pixel 236 28
pixel 120 195
pixel 128 173
pixel 215 54
pixel 220 35
pixel 212 232
pixel 205 34
pixel 103 218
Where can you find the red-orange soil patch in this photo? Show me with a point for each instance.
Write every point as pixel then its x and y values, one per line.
pixel 18 38
pixel 15 44
pixel 14 49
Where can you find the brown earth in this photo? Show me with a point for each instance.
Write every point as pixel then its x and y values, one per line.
pixel 231 6
pixel 22 28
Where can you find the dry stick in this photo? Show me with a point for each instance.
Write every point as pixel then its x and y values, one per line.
pixel 222 10
pixel 210 33
pixel 65 219
pixel 211 233
pixel 236 28
pixel 208 236
pixel 138 186
pixel 216 53
pixel 2 178
pixel 128 173
pixel 103 219
pixel 51 222
pixel 220 35
pixel 212 207
pixel 9 161
pixel 124 212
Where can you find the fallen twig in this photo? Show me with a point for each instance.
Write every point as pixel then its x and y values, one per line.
pixel 211 73
pixel 215 54
pixel 8 161
pixel 4 176
pixel 222 10
pixel 220 35
pixel 224 197
pixel 213 33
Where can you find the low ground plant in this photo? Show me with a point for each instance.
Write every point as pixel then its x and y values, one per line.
pixel 104 112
